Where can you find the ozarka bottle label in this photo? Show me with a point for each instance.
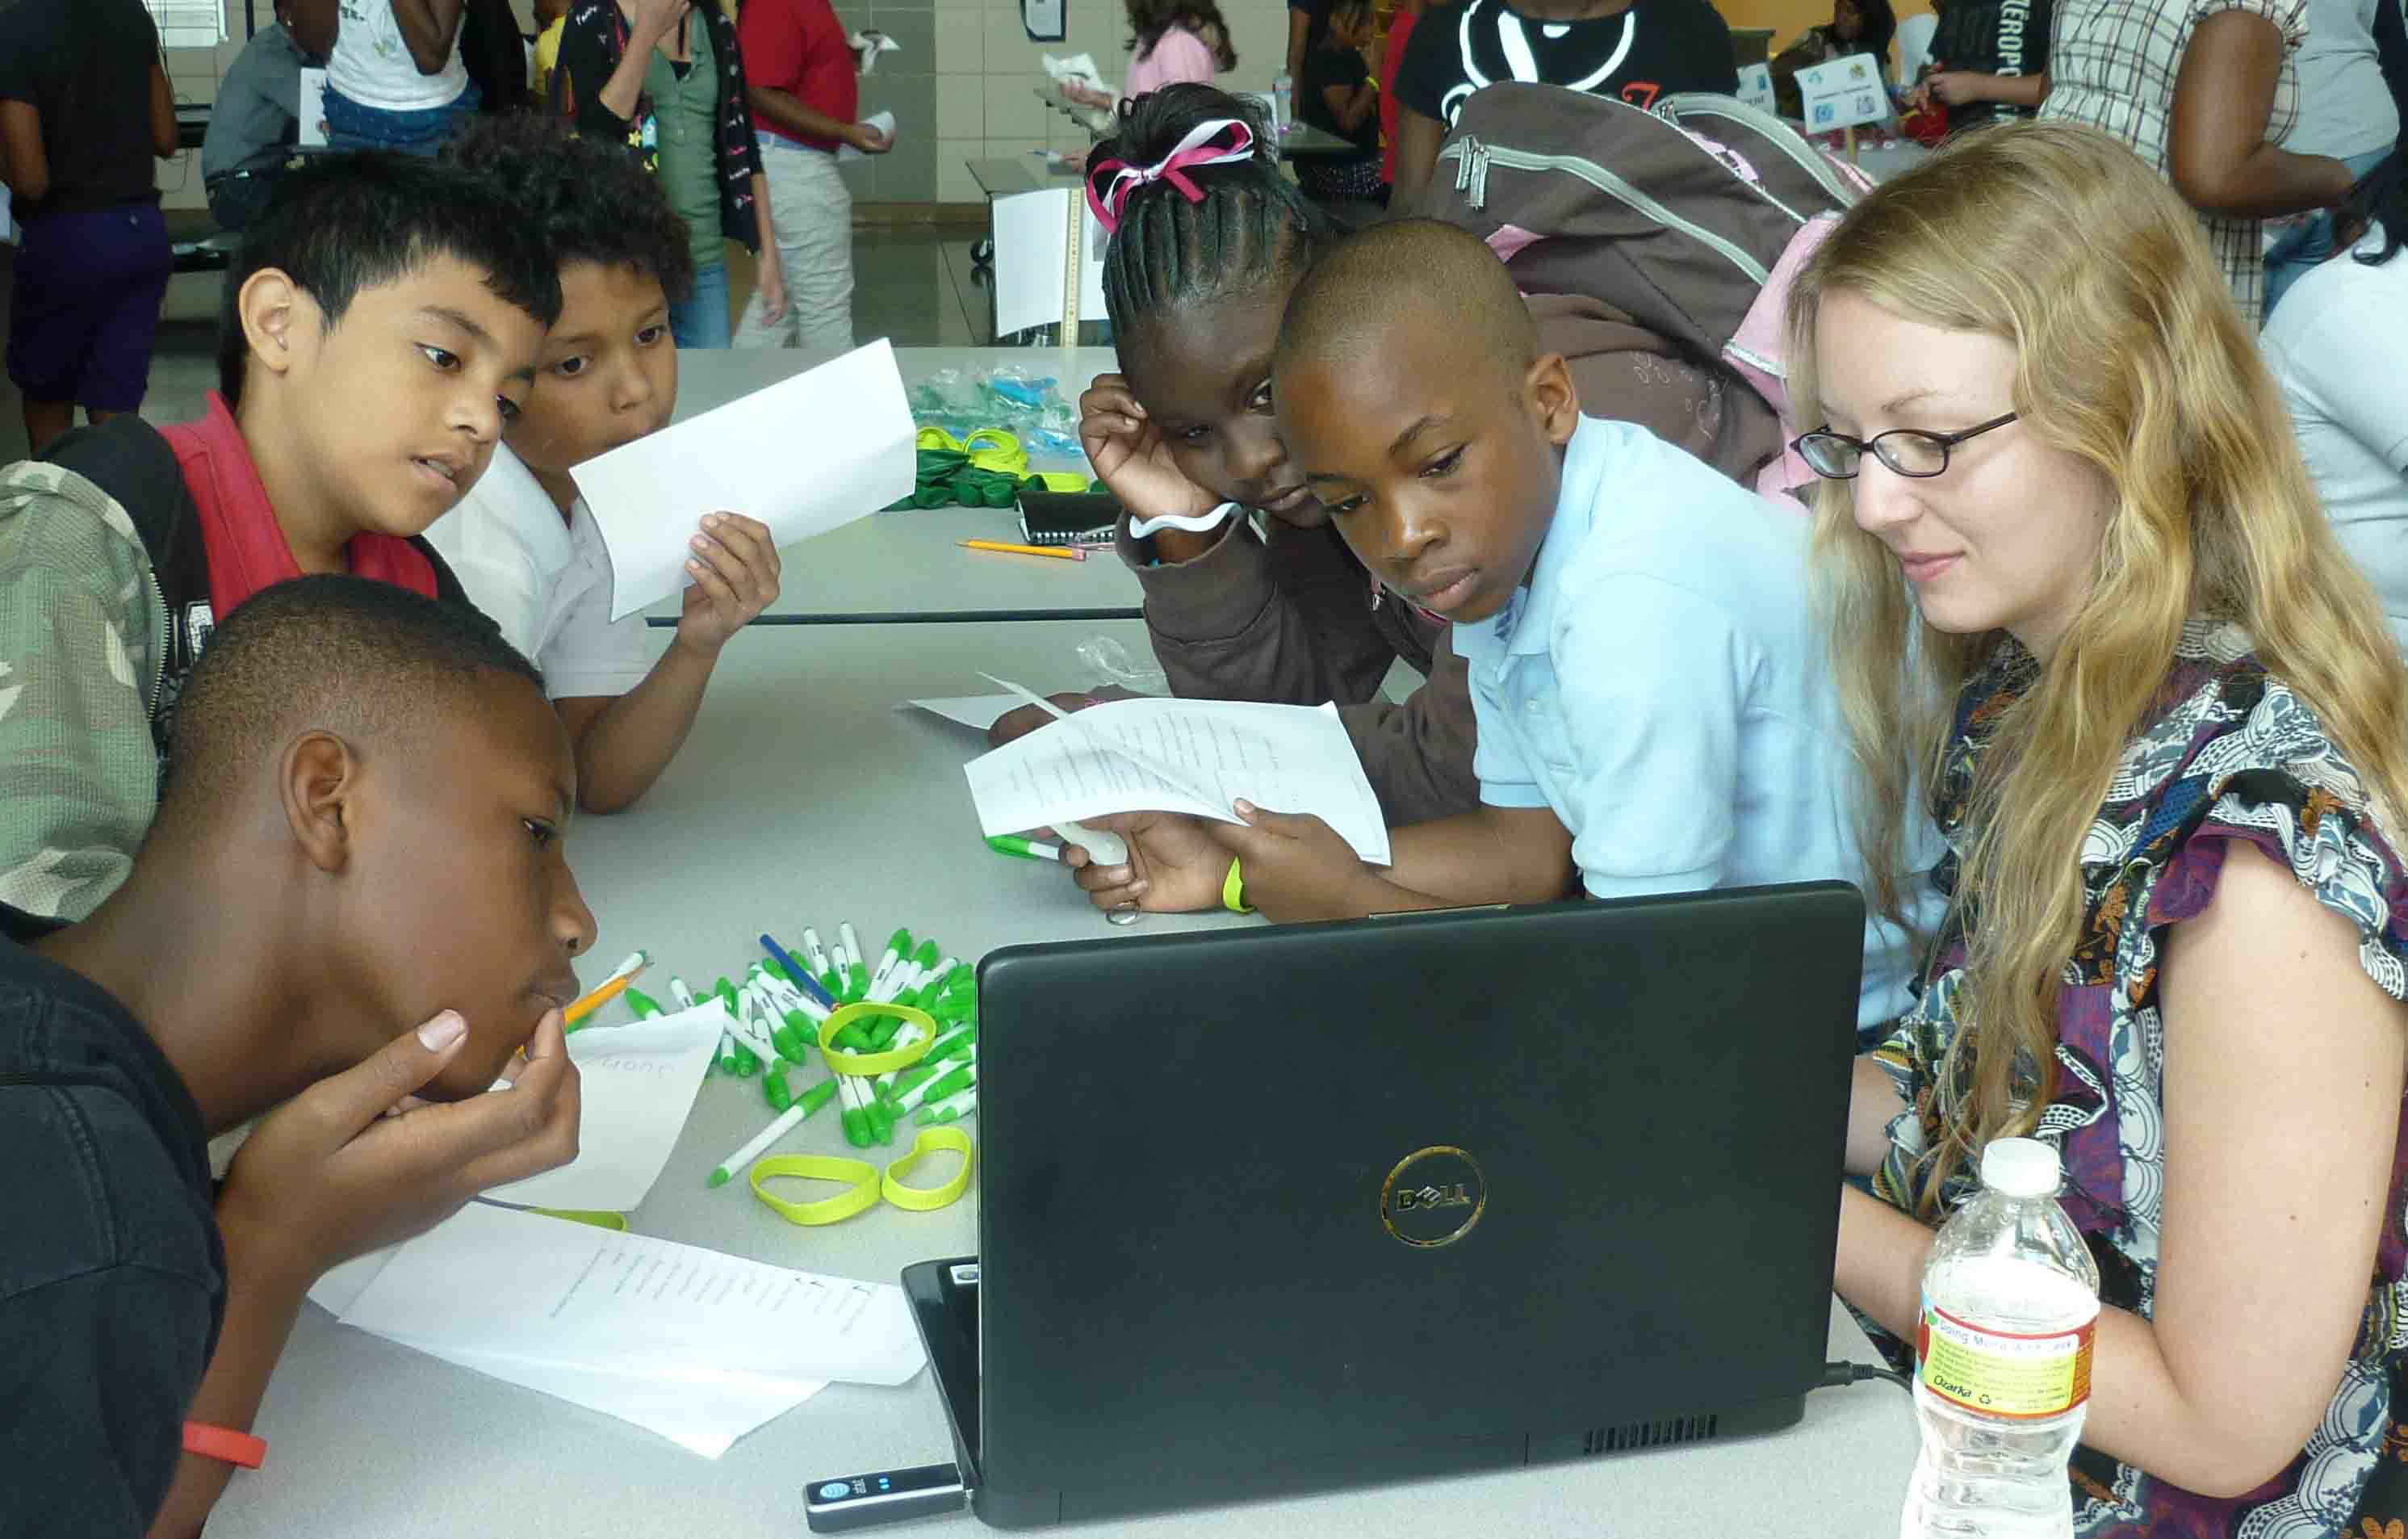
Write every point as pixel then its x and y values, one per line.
pixel 2004 1372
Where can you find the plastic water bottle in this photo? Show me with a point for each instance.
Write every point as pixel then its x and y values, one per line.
pixel 1283 103
pixel 2002 1358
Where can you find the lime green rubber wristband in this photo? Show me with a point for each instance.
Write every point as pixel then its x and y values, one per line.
pixel 929 1199
pixel 859 1176
pixel 862 1065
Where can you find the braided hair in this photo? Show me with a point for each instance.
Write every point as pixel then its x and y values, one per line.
pixel 1252 225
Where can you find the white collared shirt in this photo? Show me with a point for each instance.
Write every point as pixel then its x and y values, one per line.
pixel 546 581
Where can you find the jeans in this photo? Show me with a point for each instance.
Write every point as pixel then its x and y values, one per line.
pixel 810 212
pixel 700 319
pixel 2310 242
pixel 351 126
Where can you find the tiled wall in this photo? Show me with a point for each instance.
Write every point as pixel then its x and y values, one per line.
pixel 967 76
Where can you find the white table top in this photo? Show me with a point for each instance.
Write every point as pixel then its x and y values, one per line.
pixel 908 565
pixel 803 798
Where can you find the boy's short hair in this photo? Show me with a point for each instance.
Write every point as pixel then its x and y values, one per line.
pixel 588 198
pixel 341 224
pixel 348 654
pixel 1410 274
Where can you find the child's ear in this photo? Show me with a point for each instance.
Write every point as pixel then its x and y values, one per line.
pixel 1554 400
pixel 318 779
pixel 279 318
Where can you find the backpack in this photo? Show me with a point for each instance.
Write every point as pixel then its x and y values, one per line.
pixel 1673 219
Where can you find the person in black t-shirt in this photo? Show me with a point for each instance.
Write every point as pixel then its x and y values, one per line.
pixel 1990 61
pixel 352 907
pixel 1636 50
pixel 1338 95
pixel 84 107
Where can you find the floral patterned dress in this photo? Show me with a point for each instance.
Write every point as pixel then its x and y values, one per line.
pixel 2232 755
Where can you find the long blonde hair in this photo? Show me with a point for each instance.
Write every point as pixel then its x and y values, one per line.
pixel 2130 356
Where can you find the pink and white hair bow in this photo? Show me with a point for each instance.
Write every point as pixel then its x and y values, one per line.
pixel 1219 141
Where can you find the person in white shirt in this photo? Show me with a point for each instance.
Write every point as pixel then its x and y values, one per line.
pixel 2339 344
pixel 2345 112
pixel 396 80
pixel 523 542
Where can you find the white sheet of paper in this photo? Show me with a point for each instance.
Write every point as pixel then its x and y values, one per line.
pixel 1029 231
pixel 528 1288
pixel 1285 758
pixel 976 711
pixel 637 1084
pixel 310 100
pixel 804 455
pixel 883 121
pixel 703 1410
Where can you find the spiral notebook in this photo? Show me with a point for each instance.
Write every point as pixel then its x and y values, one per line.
pixel 1069 518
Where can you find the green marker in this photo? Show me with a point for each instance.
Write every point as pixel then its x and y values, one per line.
pixel 953 1109
pixel 857 1129
pixel 884 982
pixel 643 1004
pixel 936 1089
pixel 804 1105
pixel 1026 849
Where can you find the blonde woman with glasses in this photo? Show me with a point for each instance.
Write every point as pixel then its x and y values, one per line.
pixel 2086 612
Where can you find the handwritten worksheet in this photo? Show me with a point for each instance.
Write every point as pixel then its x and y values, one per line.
pixel 637 1085
pixel 1284 758
pixel 648 497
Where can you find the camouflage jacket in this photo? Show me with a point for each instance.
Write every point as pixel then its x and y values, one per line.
pixel 86 649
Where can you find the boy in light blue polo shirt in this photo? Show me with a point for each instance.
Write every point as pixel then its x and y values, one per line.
pixel 1653 711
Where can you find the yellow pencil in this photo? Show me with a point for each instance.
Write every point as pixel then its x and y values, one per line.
pixel 609 989
pixel 1059 552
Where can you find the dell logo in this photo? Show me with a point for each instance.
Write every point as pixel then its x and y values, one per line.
pixel 1433 1197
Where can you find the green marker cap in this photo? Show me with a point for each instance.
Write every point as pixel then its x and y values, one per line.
pixel 816 1097
pixel 643 1004
pixel 773 1085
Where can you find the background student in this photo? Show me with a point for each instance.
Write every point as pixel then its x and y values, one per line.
pixel 372 277
pixel 1981 52
pixel 1170 41
pixel 84 109
pixel 361 780
pixel 256 121
pixel 523 540
pixel 1339 92
pixel 2339 344
pixel 396 80
pixel 2079 589
pixel 2345 112
pixel 805 99
pixel 1634 51
pixel 668 82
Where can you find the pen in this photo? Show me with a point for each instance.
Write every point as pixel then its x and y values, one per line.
pixel 1058 552
pixel 804 983
pixel 1027 849
pixel 609 989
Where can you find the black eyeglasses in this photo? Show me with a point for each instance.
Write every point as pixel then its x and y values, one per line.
pixel 1908 451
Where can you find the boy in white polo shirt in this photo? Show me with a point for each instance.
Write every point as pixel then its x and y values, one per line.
pixel 523 542
pixel 1653 715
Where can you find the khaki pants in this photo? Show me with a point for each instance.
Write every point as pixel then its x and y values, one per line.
pixel 810 211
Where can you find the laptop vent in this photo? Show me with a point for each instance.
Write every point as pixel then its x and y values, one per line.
pixel 1647 1434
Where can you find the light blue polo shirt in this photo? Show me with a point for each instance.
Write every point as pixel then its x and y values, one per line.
pixel 1660 685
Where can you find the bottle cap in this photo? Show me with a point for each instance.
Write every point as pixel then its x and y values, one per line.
pixel 2020 1167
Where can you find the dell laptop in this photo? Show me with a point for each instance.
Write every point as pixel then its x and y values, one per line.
pixel 1286 1209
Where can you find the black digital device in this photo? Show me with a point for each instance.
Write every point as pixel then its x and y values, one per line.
pixel 1540 1240
pixel 845 1502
